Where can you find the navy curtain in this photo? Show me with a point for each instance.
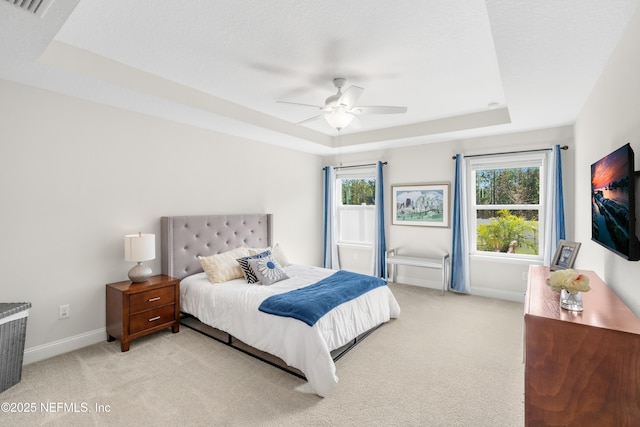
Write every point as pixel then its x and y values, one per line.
pixel 460 245
pixel 379 243
pixel 555 206
pixel 330 239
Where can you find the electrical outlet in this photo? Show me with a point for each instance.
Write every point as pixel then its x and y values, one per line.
pixel 525 275
pixel 63 311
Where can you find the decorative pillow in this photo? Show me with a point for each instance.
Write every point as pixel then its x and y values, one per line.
pixel 223 267
pixel 255 251
pixel 246 268
pixel 279 255
pixel 277 252
pixel 267 270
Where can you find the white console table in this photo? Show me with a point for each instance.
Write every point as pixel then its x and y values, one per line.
pixel 393 259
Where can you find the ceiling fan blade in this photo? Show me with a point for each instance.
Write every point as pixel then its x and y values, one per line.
pixel 310 119
pixel 356 123
pixel 379 110
pixel 298 103
pixel 350 96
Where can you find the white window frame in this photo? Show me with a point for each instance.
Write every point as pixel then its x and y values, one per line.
pixel 506 162
pixel 355 173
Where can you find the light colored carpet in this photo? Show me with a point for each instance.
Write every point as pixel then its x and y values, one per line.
pixel 447 361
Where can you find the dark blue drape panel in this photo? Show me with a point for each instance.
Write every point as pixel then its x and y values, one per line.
pixel 379 244
pixel 326 216
pixel 460 246
pixel 559 202
pixel 330 245
pixel 554 212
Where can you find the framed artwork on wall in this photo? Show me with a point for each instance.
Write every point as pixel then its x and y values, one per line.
pixel 424 205
pixel 565 255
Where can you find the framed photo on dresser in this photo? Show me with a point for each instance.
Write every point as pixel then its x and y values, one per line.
pixel 565 255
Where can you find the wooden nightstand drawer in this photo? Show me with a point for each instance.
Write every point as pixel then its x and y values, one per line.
pixel 138 309
pixel 152 318
pixel 151 299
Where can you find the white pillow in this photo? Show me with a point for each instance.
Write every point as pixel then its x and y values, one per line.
pixel 279 255
pixel 223 267
pixel 276 252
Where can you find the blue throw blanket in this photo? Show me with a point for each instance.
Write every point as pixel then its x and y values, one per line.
pixel 310 303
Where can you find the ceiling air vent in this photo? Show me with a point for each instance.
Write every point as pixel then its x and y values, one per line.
pixel 36 7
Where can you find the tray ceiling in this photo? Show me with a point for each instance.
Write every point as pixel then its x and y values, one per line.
pixel 464 68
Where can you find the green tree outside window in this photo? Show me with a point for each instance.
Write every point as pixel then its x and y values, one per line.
pixel 359 192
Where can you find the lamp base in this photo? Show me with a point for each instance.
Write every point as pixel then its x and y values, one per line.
pixel 139 273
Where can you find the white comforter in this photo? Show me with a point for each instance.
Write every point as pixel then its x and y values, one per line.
pixel 233 307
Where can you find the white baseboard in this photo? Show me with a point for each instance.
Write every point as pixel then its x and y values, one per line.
pixel 65 345
pixel 482 292
pixel 431 284
pixel 498 294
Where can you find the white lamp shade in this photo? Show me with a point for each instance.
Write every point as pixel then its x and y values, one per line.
pixel 139 247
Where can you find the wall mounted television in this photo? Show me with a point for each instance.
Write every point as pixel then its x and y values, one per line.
pixel 613 203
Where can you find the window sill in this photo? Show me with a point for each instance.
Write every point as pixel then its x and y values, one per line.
pixel 355 245
pixel 506 260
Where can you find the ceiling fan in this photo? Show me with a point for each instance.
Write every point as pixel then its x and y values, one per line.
pixel 339 110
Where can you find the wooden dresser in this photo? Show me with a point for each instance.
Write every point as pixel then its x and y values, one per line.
pixel 581 368
pixel 138 309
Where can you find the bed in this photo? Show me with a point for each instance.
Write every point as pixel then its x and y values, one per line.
pixel 230 311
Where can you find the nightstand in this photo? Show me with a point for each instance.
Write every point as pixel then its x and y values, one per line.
pixel 138 309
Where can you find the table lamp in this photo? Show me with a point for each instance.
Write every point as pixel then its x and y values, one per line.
pixel 137 248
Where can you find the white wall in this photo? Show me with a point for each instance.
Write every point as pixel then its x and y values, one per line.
pixel 609 119
pixel 75 177
pixel 433 163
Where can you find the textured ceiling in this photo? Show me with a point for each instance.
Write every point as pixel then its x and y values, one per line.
pixel 222 64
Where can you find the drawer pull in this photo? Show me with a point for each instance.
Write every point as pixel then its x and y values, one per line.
pixel 154 299
pixel 153 319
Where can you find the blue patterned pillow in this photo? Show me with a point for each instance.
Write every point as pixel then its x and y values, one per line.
pixel 267 270
pixel 246 268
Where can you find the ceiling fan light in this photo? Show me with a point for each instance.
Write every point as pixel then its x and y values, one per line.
pixel 339 119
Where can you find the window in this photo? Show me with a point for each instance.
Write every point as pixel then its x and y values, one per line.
pixel 356 206
pixel 507 206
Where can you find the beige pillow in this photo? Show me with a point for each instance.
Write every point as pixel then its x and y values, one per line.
pixel 276 251
pixel 223 267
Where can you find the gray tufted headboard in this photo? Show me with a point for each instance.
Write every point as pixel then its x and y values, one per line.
pixel 184 238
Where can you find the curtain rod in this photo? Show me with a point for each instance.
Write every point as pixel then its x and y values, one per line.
pixel 356 166
pixel 564 147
